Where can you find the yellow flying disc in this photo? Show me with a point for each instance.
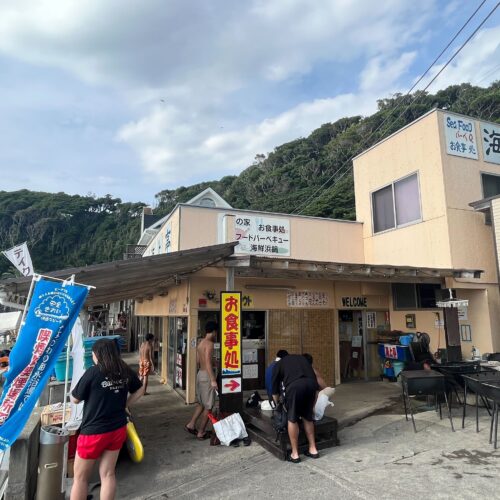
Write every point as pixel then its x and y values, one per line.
pixel 134 445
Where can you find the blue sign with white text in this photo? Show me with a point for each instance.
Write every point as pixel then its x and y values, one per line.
pixel 52 312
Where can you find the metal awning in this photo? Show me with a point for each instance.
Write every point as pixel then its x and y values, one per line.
pixel 133 278
pixel 279 268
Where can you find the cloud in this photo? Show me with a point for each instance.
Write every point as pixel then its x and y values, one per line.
pixel 477 63
pixel 202 87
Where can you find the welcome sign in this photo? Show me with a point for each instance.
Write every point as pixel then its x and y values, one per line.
pixel 52 312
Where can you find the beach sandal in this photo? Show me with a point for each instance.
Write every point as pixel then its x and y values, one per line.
pixel 194 432
pixel 206 435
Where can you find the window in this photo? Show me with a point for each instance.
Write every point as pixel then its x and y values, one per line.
pixel 414 296
pixel 396 205
pixel 491 185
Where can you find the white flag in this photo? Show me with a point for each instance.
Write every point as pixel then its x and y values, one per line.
pixel 20 257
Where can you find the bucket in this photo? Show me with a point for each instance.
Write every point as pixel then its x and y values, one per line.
pixel 406 339
pixel 60 368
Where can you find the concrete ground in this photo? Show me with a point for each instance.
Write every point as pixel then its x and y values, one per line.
pixel 379 457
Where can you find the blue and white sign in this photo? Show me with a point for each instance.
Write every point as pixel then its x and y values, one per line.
pixel 52 312
pixel 460 136
pixel 490 135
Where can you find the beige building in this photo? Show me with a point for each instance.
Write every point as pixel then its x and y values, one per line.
pixel 426 213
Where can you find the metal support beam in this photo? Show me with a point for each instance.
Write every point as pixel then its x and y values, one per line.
pixel 229 279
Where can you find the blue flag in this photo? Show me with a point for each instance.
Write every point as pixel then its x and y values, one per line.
pixel 52 312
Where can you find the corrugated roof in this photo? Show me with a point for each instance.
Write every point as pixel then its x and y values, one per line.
pixel 133 278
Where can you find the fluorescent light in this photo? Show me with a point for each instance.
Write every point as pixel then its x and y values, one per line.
pixel 269 287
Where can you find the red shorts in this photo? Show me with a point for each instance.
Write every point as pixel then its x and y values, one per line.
pixel 92 446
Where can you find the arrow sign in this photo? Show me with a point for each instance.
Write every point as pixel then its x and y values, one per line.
pixel 231 385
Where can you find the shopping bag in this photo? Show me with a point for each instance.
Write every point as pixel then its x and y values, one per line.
pixel 322 402
pixel 230 428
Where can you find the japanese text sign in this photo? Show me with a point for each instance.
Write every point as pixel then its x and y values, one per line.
pixel 490 134
pixel 460 136
pixel 231 333
pixel 20 257
pixel 262 235
pixel 53 310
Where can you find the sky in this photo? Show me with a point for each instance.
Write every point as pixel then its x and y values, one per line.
pixel 129 97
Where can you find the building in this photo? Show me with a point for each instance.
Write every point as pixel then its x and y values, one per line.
pixel 426 210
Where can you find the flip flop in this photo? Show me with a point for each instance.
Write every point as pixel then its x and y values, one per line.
pixel 206 435
pixel 194 432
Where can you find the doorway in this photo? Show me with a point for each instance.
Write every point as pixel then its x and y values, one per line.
pixel 177 348
pixel 358 342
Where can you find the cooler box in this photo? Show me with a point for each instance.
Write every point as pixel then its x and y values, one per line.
pixel 394 351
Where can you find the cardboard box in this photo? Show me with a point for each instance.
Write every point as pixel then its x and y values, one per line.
pixel 53 414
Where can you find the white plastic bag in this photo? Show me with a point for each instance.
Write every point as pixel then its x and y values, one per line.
pixel 322 402
pixel 230 428
pixel 266 406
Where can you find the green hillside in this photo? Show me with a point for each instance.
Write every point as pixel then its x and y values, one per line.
pixel 311 176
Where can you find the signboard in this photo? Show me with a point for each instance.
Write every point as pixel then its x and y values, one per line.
pixel 306 299
pixel 53 310
pixel 357 341
pixel 231 334
pixel 371 320
pixel 231 385
pixel 168 238
pixel 460 136
pixel 357 302
pixel 250 371
pixel 462 314
pixel 258 235
pixel 490 135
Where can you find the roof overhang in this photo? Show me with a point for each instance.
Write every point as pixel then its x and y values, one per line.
pixel 279 268
pixel 133 278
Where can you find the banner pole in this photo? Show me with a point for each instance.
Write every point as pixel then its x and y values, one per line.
pixel 66 378
pixel 36 277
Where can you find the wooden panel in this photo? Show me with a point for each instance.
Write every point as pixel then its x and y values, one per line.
pixel 299 331
pixel 284 333
pixel 318 340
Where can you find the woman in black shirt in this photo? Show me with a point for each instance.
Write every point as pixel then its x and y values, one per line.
pixel 105 390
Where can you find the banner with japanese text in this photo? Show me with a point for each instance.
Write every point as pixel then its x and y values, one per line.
pixel 231 333
pixel 21 258
pixel 53 310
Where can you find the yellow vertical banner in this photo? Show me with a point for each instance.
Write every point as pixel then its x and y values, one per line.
pixel 231 333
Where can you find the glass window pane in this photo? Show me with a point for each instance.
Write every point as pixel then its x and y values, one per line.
pixel 491 185
pixel 404 296
pixel 383 209
pixel 427 295
pixel 407 200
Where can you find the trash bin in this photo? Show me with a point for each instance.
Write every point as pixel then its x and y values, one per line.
pixel 52 461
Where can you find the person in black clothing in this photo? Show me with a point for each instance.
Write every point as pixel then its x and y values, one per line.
pixel 105 389
pixel 301 387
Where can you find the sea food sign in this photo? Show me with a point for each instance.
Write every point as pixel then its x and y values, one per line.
pixel 460 136
pixel 53 309
pixel 231 333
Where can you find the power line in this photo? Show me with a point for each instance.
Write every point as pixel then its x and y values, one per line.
pixel 347 163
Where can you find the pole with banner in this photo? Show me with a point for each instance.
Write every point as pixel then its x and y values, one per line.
pixel 52 311
pixel 231 395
